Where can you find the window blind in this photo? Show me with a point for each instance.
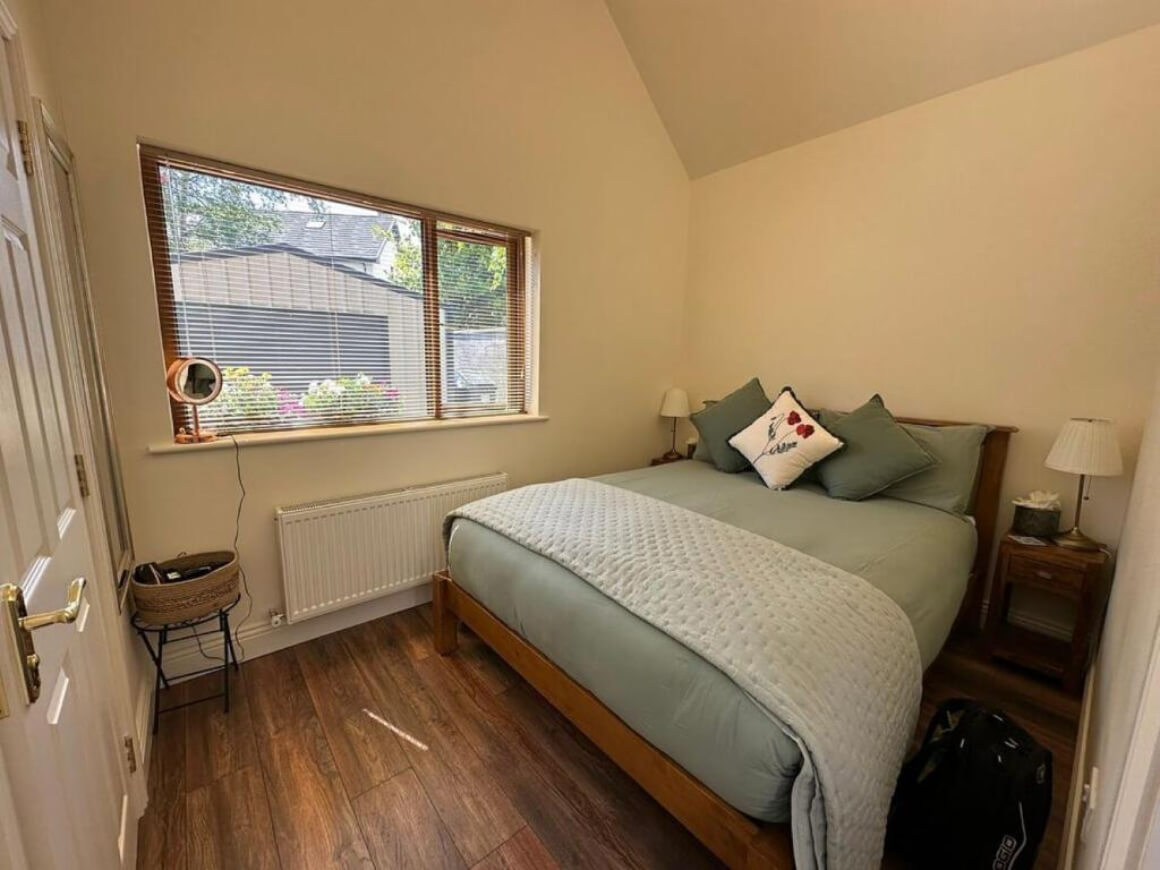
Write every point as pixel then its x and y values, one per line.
pixel 327 308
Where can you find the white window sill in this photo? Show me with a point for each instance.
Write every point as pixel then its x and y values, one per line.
pixel 259 439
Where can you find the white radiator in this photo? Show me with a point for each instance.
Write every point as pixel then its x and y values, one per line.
pixel 343 552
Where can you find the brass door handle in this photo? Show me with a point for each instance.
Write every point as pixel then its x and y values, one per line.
pixel 22 625
pixel 67 614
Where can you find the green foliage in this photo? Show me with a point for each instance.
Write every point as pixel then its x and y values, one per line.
pixel 407 269
pixel 472 279
pixel 204 212
pixel 473 283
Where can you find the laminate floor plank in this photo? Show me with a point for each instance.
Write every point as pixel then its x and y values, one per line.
pixel 314 824
pixel 492 671
pixel 413 633
pixel 229 824
pixel 561 817
pixel 365 752
pixel 392 653
pixel 161 833
pixel 217 743
pixel 402 829
pixel 655 837
pixel 278 695
pixel 524 851
pixel 478 769
pixel 469 800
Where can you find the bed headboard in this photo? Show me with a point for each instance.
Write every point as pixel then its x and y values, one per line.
pixel 984 508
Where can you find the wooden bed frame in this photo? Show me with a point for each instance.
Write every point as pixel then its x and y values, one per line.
pixel 737 839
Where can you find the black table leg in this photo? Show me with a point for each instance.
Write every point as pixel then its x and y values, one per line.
pixel 153 656
pixel 157 656
pixel 224 627
pixel 158 677
pixel 230 645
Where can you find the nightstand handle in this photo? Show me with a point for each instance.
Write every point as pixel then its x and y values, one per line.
pixel 1044 575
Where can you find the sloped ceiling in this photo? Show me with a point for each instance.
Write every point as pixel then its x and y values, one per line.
pixel 734 79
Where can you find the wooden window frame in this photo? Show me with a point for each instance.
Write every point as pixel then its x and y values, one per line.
pixel 516 241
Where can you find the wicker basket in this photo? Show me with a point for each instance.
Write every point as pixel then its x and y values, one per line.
pixel 167 603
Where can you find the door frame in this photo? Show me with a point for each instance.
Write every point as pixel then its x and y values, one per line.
pixel 76 315
pixel 116 631
pixel 45 135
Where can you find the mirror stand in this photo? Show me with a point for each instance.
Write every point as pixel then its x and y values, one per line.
pixel 193 381
pixel 197 436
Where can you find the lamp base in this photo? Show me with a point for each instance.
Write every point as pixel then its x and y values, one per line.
pixel 671 456
pixel 1076 540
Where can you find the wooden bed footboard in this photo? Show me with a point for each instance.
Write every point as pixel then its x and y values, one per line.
pixel 733 837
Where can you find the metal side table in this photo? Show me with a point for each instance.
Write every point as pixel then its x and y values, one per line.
pixel 185 630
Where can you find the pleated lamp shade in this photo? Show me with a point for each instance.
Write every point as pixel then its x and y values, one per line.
pixel 1087 446
pixel 675 403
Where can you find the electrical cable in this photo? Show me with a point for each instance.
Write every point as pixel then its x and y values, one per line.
pixel 239 648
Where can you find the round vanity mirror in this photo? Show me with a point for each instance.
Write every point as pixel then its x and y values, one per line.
pixel 193 381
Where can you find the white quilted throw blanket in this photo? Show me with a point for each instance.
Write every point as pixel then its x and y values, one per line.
pixel 829 656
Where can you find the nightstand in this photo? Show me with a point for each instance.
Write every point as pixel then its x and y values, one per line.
pixel 665 460
pixel 1081 576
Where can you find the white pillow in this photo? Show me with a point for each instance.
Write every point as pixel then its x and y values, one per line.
pixel 784 441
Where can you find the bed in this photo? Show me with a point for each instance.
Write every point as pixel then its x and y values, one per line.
pixel 702 746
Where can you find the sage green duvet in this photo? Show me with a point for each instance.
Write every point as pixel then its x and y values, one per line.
pixel 917 555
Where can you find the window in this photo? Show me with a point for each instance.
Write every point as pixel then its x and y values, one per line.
pixel 325 308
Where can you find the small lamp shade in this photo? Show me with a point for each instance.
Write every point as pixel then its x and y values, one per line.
pixel 1087 446
pixel 675 403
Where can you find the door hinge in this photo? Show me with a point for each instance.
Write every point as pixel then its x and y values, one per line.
pixel 25 146
pixel 131 754
pixel 82 475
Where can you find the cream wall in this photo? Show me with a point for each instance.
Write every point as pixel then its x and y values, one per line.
pixel 33 34
pixel 527 114
pixel 990 255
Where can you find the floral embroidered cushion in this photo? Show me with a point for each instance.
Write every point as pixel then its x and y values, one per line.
pixel 784 441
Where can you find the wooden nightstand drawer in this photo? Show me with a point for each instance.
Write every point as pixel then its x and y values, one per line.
pixel 1082 576
pixel 1045 574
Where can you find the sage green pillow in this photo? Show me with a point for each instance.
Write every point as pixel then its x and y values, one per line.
pixel 720 421
pixel 879 453
pixel 701 451
pixel 950 484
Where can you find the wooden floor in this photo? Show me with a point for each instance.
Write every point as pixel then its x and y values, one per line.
pixel 365 748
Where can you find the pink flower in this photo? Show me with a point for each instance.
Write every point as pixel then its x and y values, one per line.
pixel 794 418
pixel 805 430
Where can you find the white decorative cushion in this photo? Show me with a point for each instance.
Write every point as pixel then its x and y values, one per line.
pixel 784 441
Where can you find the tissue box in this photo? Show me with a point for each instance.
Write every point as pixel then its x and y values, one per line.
pixel 1036 522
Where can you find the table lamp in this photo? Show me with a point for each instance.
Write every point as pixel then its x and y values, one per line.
pixel 1086 446
pixel 675 406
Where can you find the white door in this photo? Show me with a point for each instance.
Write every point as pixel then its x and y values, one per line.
pixel 63 777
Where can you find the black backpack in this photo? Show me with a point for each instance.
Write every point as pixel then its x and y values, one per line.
pixel 977 794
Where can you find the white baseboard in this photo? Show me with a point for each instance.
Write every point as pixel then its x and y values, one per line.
pixel 1033 622
pixel 259 639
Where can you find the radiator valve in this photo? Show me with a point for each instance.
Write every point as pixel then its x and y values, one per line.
pixel 276 618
